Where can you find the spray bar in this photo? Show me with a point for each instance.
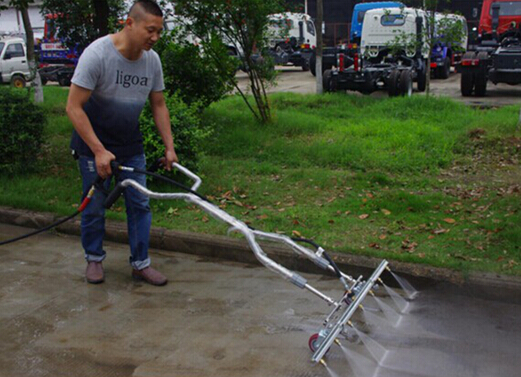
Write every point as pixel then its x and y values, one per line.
pixel 348 313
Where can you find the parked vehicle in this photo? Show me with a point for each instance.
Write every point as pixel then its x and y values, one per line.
pixel 330 54
pixel 57 61
pixel 14 67
pixel 497 55
pixel 378 66
pixel 293 39
pixel 444 55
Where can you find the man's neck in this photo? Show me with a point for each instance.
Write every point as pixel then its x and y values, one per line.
pixel 125 48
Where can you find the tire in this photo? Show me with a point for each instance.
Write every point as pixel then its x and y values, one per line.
pixel 421 81
pixel 305 65
pixel 44 81
pixel 392 83
pixel 327 81
pixel 18 81
pixel 481 77
pixel 405 84
pixel 444 72
pixel 467 78
pixel 467 84
pixel 313 65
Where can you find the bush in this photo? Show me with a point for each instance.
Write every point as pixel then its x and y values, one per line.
pixel 187 130
pixel 21 129
pixel 194 76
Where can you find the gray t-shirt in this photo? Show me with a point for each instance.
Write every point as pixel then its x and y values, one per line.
pixel 120 89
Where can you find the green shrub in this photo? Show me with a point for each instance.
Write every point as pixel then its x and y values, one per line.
pixel 21 129
pixel 187 130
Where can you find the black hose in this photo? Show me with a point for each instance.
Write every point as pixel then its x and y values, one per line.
pixel 40 230
pixel 326 255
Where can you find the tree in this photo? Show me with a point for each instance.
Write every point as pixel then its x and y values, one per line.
pixel 84 20
pixel 242 24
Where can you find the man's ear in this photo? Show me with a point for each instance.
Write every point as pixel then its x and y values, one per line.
pixel 129 22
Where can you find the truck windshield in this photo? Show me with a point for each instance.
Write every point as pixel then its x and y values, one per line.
pixel 393 20
pixel 509 8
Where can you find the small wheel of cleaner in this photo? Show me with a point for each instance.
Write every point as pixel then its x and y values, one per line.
pixel 314 343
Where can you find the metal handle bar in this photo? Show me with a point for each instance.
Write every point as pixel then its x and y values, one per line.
pixel 194 177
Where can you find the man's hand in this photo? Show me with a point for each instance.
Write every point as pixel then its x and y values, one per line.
pixel 103 159
pixel 170 158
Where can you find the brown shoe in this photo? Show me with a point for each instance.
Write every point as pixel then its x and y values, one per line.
pixel 149 275
pixel 94 273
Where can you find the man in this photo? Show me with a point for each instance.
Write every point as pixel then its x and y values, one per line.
pixel 114 77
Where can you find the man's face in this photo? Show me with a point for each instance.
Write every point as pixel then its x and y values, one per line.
pixel 146 30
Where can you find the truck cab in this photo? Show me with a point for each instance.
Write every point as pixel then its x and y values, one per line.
pixel 359 11
pixel 382 26
pixel 293 38
pixel 14 66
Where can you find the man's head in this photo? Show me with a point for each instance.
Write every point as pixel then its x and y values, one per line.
pixel 144 23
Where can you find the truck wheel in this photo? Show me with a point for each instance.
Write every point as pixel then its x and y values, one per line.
pixel 392 83
pixel 421 82
pixel 64 81
pixel 18 81
pixel 481 77
pixel 43 80
pixel 444 72
pixel 327 81
pixel 313 65
pixel 305 65
pixel 467 84
pixel 405 84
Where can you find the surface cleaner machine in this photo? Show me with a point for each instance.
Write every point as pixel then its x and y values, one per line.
pixel 337 323
pixel 354 291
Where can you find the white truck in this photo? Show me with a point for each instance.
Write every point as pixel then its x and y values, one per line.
pixel 292 38
pixel 382 63
pixel 14 66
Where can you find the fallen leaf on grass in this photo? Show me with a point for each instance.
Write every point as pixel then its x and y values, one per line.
pixel 409 246
pixel 382 236
pixel 204 219
pixel 449 220
pixel 440 231
pixel 421 255
pixel 296 233
pixel 262 217
pixel 386 212
pixel 374 245
pixel 363 217
pixel 331 221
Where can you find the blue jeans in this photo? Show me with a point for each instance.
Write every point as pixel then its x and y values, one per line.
pixel 139 217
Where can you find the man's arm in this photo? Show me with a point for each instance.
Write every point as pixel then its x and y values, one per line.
pixel 78 96
pixel 162 120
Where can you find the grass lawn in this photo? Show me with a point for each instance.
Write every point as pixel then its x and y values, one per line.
pixel 416 179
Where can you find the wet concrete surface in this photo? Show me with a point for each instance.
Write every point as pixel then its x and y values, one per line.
pixel 220 318
pixel 293 79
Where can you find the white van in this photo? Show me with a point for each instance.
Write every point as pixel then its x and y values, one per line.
pixel 14 66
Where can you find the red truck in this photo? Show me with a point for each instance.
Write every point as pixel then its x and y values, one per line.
pixel 497 57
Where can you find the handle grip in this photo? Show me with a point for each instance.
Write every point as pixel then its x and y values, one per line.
pixel 194 177
pixel 113 195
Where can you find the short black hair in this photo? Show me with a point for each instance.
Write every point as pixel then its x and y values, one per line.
pixel 147 6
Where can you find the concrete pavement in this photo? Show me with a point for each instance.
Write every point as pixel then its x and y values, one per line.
pixel 222 318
